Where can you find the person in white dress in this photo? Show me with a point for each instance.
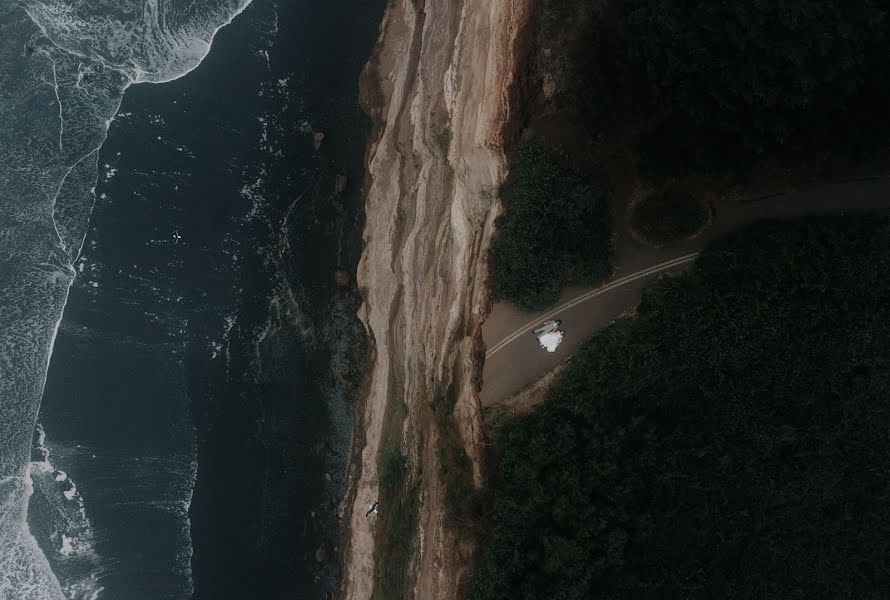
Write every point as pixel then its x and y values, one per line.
pixel 549 335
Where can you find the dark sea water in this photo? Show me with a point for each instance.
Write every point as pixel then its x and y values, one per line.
pixel 199 388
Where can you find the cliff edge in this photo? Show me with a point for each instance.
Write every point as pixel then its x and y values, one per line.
pixel 441 90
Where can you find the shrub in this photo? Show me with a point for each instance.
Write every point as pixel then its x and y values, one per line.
pixel 464 503
pixel 555 231
pixel 398 525
pixel 393 467
pixel 668 216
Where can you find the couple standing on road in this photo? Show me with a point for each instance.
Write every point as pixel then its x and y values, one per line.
pixel 549 335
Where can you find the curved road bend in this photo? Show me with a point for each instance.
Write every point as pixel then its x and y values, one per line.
pixel 513 357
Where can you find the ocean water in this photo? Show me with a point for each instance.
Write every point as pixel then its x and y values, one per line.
pixel 172 247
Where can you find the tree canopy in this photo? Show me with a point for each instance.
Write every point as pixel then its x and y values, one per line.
pixel 668 215
pixel 555 231
pixel 766 73
pixel 732 441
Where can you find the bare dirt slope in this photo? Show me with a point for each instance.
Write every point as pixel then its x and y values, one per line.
pixel 440 89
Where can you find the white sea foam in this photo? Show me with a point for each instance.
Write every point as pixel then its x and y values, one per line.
pixel 164 45
pixel 67 548
pixel 30 575
pixel 63 516
pixel 71 492
pixel 66 65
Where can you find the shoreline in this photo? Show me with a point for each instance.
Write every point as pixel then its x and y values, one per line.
pixel 440 89
pixel 271 417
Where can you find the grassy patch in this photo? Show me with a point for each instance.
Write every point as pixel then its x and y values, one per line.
pixel 393 467
pixel 398 508
pixel 396 544
pixel 443 403
pixel 463 501
pixel 398 526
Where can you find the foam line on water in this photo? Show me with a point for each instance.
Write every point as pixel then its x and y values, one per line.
pixel 63 514
pixel 133 76
pixel 59 102
pixel 29 484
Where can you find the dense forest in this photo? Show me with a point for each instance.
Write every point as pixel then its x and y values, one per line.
pixel 555 231
pixel 731 441
pixel 741 80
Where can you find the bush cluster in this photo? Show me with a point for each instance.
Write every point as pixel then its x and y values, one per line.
pixel 667 216
pixel 555 231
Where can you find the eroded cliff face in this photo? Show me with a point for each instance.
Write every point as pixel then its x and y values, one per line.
pixel 441 90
